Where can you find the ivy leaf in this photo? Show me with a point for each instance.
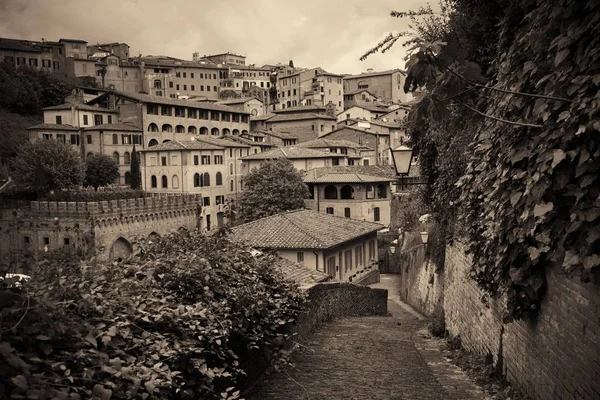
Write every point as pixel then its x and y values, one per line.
pixel 591 262
pixel 91 340
pixel 517 274
pixel 542 209
pixel 101 392
pixel 561 56
pixel 20 381
pixel 571 259
pixel 557 157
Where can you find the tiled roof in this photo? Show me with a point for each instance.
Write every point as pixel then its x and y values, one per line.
pixel 114 127
pixel 72 40
pixel 225 141
pixel 255 134
pixel 355 128
pixel 279 134
pixel 54 127
pixel 389 124
pixel 248 141
pixel 359 91
pixel 300 109
pixel 19 45
pixel 382 172
pixel 183 145
pixel 146 98
pixel 300 116
pixel 302 229
pixel 375 73
pixel 82 107
pixel 237 101
pixel 299 273
pixel 327 143
pixel 291 152
pixel 262 117
pixel 342 177
pixel 368 108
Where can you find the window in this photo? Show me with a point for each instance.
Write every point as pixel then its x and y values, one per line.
pixel 164 181
pixel 46 240
pixel 85 120
pixel 348 260
pixel 300 256
pixel 192 75
pixel 347 192
pixel 26 239
pixel 167 128
pixel 192 87
pixel 75 139
pixel 358 256
pixel 178 74
pixel 206 179
pixel 125 139
pixel 312 127
pixel 21 61
pixel 219 199
pixel 205 160
pixel 163 161
pixel 33 62
pixel 376 214
pixel 89 139
pixel 47 136
pixel 58 120
pixel 157 84
pixel 61 138
pixel 126 158
pixel 196 160
pixel 347 212
pixel 218 159
pixel 231 185
pixel 184 75
pixel 372 254
pixel 331 193
pixel 381 191
pixel 329 210
pixel 219 179
pixel 208 222
pixel 153 181
pixel 116 157
pixel 171 84
pixel 184 87
pixel 152 109
pixel 206 201
pixel 196 180
pixel 166 110
pixel 370 191
pixel 128 178
pixel 98 119
pixel 175 182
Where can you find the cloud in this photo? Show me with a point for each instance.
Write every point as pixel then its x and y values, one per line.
pixel 331 34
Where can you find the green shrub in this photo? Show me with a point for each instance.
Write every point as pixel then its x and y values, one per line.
pixel 185 318
pixel 437 325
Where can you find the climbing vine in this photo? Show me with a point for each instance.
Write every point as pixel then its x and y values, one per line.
pixel 506 130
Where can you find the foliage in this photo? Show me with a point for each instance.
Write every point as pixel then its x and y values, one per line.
pixel 136 172
pixel 508 101
pixel 273 188
pixel 437 324
pixel 13 133
pixel 406 210
pixel 47 165
pixel 100 170
pixel 186 318
pixel 27 90
pixel 107 194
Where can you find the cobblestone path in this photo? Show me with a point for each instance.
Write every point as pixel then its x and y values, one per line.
pixel 371 358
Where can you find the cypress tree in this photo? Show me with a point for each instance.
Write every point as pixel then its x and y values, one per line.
pixel 136 173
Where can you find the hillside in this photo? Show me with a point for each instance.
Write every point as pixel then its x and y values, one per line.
pixel 13 132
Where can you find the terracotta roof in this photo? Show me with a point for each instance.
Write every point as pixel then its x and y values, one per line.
pixel 114 127
pixel 291 152
pixel 183 145
pixel 375 73
pixel 327 143
pixel 300 116
pixel 249 142
pixel 225 141
pixel 299 108
pixel 359 91
pixel 146 98
pixel 54 127
pixel 237 101
pixel 279 134
pixel 82 107
pixel 382 172
pixel 255 134
pixel 262 117
pixel 299 273
pixel 20 45
pixel 389 124
pixel 72 40
pixel 355 128
pixel 302 229
pixel 345 177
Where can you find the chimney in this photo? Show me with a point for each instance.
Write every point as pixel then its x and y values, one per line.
pixel 369 70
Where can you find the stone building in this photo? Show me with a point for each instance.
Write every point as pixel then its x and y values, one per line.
pixel 343 248
pixel 250 105
pixel 49 56
pixel 301 158
pixel 359 154
pixel 313 86
pixel 306 126
pixel 357 192
pixel 378 141
pixel 360 97
pixel 363 112
pixel 387 86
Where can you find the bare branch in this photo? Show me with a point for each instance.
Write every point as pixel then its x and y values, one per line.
pixel 500 119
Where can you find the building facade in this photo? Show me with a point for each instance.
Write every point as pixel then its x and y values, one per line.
pixel 303 159
pixel 378 141
pixel 387 86
pixel 313 86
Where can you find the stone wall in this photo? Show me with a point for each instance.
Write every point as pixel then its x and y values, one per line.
pixel 332 300
pixel 420 285
pixel 369 278
pixel 555 356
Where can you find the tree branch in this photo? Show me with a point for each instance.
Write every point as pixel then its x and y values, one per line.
pixel 500 119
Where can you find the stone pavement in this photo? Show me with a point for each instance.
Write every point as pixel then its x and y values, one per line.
pixel 371 358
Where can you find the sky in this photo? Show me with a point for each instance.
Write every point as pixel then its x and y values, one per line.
pixel 331 34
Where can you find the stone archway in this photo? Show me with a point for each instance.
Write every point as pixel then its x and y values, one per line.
pixel 153 236
pixel 120 249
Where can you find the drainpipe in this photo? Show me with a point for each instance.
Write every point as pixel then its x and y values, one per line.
pixel 317 259
pixel 318 198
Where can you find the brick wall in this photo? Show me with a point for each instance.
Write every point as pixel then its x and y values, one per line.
pixel 332 300
pixel 556 356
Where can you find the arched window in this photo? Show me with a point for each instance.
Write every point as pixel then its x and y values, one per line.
pixel 381 191
pixel 128 178
pixel 90 155
pixel 347 192
pixel 157 84
pixel 154 181
pixel 175 182
pixel 164 182
pixel 244 132
pixel 204 130
pixel 152 142
pixel 231 185
pixel 153 127
pixel 236 132
pixel 370 192
pixel 196 180
pixel 180 129
pixel 214 131
pixel 116 157
pixel 115 138
pixel 166 140
pixel 127 158
pixel 167 128
pixel 206 179
pixel 331 192
pixel 219 179
pixel 226 131
pixel 192 130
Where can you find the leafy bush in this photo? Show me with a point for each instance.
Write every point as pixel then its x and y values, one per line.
pixel 100 170
pixel 185 318
pixel 437 325
pixel 105 195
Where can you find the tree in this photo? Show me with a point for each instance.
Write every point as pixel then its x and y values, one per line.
pixel 273 188
pixel 100 170
pixel 47 165
pixel 291 64
pixel 136 173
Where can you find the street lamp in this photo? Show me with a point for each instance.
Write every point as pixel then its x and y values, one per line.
pixel 402 156
pixel 393 246
pixel 424 237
